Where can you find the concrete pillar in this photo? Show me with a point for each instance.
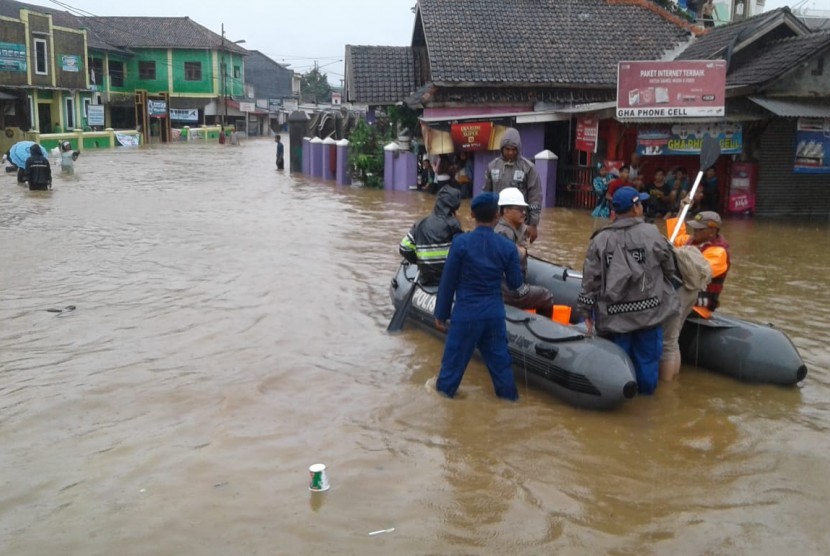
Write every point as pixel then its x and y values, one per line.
pixel 546 165
pixel 306 151
pixel 480 161
pixel 406 170
pixel 329 158
pixel 317 157
pixel 343 175
pixel 297 125
pixel 390 153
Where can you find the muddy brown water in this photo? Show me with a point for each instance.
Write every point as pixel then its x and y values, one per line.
pixel 229 331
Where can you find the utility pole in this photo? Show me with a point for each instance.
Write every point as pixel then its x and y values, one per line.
pixel 223 69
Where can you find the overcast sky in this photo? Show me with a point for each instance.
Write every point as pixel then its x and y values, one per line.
pixel 296 32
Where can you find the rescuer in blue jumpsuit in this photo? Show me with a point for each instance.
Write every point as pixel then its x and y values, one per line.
pixel 473 273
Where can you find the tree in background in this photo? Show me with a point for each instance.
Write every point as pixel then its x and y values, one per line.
pixel 314 86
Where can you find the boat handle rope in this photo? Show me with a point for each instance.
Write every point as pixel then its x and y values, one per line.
pixel 526 321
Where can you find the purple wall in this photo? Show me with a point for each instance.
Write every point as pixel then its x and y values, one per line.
pixel 307 156
pixel 343 177
pixel 533 139
pixel 317 157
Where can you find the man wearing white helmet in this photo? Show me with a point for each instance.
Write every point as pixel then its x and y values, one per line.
pixel 513 209
pixel 511 169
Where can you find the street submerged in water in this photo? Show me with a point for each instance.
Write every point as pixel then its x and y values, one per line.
pixel 229 330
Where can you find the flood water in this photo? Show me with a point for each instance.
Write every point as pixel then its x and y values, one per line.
pixel 230 331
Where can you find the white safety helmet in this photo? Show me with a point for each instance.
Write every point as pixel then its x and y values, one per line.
pixel 512 197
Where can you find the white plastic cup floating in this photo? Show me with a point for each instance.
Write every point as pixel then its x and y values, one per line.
pixel 319 481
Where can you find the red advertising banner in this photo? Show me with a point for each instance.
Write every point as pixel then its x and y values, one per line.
pixel 678 89
pixel 474 136
pixel 587 130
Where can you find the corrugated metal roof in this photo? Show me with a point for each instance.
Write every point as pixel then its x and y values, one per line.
pixel 793 108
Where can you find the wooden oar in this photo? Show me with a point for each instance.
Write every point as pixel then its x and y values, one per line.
pixel 396 324
pixel 709 153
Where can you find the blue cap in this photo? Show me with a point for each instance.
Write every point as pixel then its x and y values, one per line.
pixel 486 198
pixel 626 197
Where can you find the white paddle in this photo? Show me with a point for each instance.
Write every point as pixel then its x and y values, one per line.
pixel 709 153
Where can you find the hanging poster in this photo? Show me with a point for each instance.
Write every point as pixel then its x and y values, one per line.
pixel 472 136
pixel 587 131
pixel 686 139
pixel 812 146
pixel 12 57
pixel 127 140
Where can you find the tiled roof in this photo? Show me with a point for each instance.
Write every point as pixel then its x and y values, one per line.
pixel 380 75
pixel 157 32
pixel 550 42
pixel 118 33
pixel 777 57
pixel 714 43
pixel 10 8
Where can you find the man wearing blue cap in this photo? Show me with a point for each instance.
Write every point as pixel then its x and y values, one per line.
pixel 626 285
pixel 478 262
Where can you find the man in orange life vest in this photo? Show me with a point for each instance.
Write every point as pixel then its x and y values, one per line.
pixel 705 228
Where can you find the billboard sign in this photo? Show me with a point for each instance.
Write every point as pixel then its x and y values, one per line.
pixel 678 89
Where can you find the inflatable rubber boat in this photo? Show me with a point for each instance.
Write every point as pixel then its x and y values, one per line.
pixel 744 350
pixel 583 371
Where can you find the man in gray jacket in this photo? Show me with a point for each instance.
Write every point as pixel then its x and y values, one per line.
pixel 511 169
pixel 626 285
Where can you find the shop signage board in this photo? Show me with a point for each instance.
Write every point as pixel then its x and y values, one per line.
pixel 812 146
pixel 157 108
pixel 587 130
pixel 70 62
pixel 676 89
pixel 184 114
pixel 247 107
pixel 95 115
pixel 12 57
pixel 686 139
pixel 472 136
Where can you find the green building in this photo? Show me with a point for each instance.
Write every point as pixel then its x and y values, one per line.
pixel 61 71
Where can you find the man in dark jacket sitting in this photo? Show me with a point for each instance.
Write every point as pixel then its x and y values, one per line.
pixel 428 242
pixel 38 170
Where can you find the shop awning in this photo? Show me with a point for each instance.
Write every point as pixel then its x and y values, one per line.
pixel 483 117
pixel 256 111
pixel 546 115
pixel 793 108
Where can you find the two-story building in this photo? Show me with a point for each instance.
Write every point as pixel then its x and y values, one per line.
pixel 175 72
pixel 43 79
pixel 150 73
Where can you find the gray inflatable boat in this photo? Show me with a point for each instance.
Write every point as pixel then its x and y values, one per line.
pixel 588 372
pixel 744 350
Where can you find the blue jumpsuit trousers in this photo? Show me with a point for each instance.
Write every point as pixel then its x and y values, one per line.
pixel 490 337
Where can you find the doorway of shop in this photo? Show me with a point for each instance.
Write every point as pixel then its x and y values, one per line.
pixel 44 117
